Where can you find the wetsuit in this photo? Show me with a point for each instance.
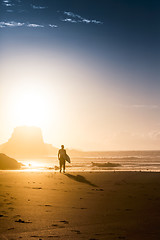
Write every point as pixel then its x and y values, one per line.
pixel 61 157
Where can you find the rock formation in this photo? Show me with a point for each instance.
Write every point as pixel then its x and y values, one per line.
pixel 7 163
pixel 26 142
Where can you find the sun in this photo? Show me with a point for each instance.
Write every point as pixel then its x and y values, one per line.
pixel 30 107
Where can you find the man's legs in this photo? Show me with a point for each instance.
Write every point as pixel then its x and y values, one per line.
pixel 60 164
pixel 64 163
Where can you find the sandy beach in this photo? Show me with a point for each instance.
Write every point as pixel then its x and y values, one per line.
pixel 50 205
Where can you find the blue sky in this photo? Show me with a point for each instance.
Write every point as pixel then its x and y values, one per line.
pixel 113 49
pixel 125 33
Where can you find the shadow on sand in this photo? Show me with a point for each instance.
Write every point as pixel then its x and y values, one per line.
pixel 81 179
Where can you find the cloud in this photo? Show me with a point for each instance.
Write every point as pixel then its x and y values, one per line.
pixel 38 7
pixel 11 3
pixel 11 24
pixel 155 135
pixel 97 22
pixel 34 25
pixel 69 20
pixel 145 106
pixel 141 106
pixel 126 140
pixel 7 3
pixel 75 18
pixel 70 14
pixel 20 24
pixel 52 26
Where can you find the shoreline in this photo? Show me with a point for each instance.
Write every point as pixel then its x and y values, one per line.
pixel 80 171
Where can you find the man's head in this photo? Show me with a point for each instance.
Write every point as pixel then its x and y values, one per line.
pixel 62 146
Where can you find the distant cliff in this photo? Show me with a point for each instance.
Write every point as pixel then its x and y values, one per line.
pixel 7 163
pixel 27 142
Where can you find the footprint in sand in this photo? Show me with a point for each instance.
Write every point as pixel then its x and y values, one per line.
pixel 79 208
pixel 97 234
pixel 1 216
pixel 46 205
pixel 40 237
pixel 98 189
pixel 60 226
pixel 54 225
pixel 76 231
pixel 22 221
pixel 4 212
pixel 11 228
pixel 128 209
pixel 11 208
pixel 13 198
pixel 57 226
pixel 64 221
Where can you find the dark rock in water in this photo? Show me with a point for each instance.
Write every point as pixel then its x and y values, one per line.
pixel 7 163
pixel 105 164
pixel 56 168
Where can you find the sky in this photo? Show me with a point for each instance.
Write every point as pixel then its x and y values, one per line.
pixel 85 72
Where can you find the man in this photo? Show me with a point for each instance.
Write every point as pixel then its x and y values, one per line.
pixel 62 158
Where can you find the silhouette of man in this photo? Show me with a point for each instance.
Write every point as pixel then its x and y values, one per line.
pixel 62 158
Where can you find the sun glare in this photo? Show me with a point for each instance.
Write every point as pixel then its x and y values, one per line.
pixel 30 108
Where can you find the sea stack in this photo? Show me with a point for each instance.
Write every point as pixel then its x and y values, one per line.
pixel 25 142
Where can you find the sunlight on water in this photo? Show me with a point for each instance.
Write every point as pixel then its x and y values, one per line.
pixel 33 164
pixel 108 161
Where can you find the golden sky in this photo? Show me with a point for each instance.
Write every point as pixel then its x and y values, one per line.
pixel 72 105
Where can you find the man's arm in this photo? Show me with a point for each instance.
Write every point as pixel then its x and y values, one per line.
pixel 58 155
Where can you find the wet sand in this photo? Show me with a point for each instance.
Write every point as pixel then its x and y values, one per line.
pixel 50 205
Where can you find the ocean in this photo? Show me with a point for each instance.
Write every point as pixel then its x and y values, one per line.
pixel 100 161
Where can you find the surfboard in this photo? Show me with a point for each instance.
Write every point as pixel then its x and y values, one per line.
pixel 68 159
